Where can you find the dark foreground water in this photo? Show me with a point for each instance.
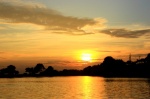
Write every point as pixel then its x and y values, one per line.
pixel 79 87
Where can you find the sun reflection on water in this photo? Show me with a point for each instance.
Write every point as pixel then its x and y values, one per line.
pixel 89 87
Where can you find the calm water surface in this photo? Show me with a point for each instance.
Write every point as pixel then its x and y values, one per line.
pixel 74 88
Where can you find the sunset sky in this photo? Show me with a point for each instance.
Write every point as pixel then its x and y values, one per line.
pixel 72 33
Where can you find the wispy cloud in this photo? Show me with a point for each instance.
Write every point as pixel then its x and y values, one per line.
pixel 135 56
pixel 126 33
pixel 108 51
pixel 139 55
pixel 29 3
pixel 30 12
pixel 33 13
pixel 2 52
pixel 64 63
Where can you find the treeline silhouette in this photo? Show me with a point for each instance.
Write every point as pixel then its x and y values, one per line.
pixel 110 67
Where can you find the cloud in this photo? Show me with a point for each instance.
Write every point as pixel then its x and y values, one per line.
pixel 107 51
pixel 29 3
pixel 2 52
pixel 126 33
pixel 139 55
pixel 99 25
pixel 64 63
pixel 127 43
pixel 134 56
pixel 26 14
pixel 146 45
pixel 14 41
pixel 16 11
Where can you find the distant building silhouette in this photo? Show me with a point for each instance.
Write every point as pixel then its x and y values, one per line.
pixel 130 57
pixel 129 60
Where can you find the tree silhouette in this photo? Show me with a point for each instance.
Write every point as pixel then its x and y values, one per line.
pixel 10 71
pixel 39 68
pixel 107 66
pixel 3 72
pixel 49 71
pixel 29 70
pixel 148 58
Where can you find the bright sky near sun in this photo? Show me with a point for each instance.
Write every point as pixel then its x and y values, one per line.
pixel 72 33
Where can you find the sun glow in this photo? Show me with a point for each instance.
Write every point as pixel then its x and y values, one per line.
pixel 86 57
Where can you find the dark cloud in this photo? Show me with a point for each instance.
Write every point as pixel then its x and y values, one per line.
pixel 62 62
pixel 57 61
pixel 51 19
pixel 126 33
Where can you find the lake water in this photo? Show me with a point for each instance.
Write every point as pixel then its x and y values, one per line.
pixel 74 87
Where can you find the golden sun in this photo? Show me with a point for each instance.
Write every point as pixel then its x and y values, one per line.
pixel 86 57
